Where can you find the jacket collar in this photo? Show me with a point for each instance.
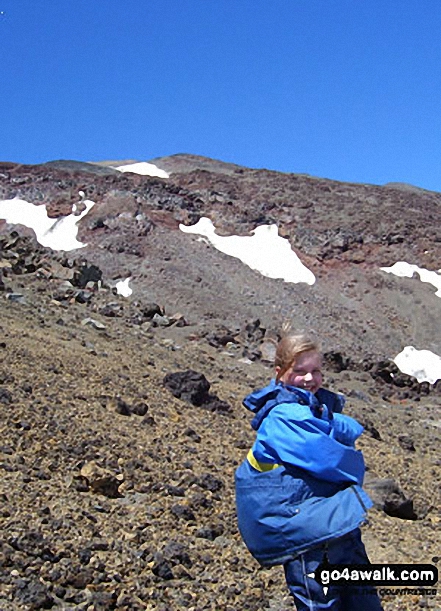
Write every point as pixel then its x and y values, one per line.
pixel 262 401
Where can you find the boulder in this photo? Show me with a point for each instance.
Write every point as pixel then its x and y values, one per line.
pixel 387 496
pixel 189 385
pixel 102 481
pixel 193 387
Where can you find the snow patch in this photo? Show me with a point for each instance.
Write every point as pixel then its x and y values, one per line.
pixel 123 288
pixel 58 234
pixel 265 251
pixel 143 168
pixel 423 365
pixel 406 270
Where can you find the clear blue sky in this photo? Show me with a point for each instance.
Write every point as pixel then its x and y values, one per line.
pixel 342 89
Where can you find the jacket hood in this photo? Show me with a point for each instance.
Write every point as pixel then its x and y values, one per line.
pixel 262 401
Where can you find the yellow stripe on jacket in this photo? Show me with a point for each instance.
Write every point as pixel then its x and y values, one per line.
pixel 261 466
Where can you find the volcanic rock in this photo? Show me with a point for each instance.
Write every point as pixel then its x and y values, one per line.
pixel 388 496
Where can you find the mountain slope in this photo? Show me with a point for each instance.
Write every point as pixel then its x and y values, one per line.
pixel 116 492
pixel 118 495
pixel 343 232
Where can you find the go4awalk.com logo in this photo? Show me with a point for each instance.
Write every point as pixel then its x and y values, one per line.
pixel 391 575
pixel 377 574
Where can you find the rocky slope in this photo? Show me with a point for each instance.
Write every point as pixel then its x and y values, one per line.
pixel 117 460
pixel 343 232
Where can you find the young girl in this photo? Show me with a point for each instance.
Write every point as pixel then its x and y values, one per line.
pixel 298 493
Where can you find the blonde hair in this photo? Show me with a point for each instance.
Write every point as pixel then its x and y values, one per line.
pixel 289 348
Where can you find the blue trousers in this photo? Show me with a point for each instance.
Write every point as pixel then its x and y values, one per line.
pixel 310 596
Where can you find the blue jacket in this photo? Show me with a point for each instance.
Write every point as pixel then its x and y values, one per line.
pixel 301 482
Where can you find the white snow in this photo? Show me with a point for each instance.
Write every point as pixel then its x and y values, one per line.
pixel 265 251
pixel 143 168
pixel 123 288
pixel 424 365
pixel 58 234
pixel 406 270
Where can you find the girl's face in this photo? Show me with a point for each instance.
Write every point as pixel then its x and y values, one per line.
pixel 305 372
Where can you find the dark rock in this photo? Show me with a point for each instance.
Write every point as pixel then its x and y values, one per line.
pixel 193 387
pixel 252 331
pixel 83 296
pixel 100 545
pixel 140 409
pixel 175 490
pixel 26 426
pixel 370 428
pixel 101 480
pixel 192 435
pixel 177 553
pixel 398 508
pixel 207 481
pixel 406 443
pixel 220 338
pixel 184 512
pixel 210 532
pixel 86 273
pixel 387 372
pixel 148 420
pixel 121 407
pixel 188 385
pixel 78 578
pixel 425 388
pixel 34 595
pixel 214 404
pixel 252 353
pixel 34 544
pixel 386 495
pixel 111 310
pixel 59 591
pixel 163 570
pixel 5 396
pixel 150 309
pixel 402 380
pixel 200 500
pixel 107 485
pixel 84 555
pixel 16 297
pixel 336 361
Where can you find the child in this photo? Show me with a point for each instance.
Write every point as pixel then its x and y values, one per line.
pixel 298 493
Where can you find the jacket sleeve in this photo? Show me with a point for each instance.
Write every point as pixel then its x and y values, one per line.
pixel 291 435
pixel 345 429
